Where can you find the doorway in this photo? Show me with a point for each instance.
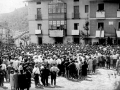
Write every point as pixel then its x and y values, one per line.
pixel 102 41
pixel 39 40
pixel 76 40
pixel 58 40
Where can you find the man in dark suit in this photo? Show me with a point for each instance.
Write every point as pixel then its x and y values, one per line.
pixel 45 72
pixel 21 80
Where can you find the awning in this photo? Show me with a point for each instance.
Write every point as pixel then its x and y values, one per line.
pixel 118 33
pixel 97 33
pixel 102 33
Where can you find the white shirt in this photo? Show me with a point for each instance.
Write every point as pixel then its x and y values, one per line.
pixel 36 70
pixel 58 61
pixel 3 67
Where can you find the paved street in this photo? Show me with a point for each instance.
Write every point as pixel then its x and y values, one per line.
pixel 102 80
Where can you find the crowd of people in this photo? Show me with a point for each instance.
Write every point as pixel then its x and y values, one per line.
pixel 40 62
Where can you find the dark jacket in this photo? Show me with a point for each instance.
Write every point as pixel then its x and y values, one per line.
pixel 45 72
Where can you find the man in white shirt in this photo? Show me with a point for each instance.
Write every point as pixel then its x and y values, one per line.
pixel 36 73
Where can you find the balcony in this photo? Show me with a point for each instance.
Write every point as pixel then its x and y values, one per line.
pixel 118 34
pixel 100 14
pixel 100 33
pixel 75 32
pixel 38 17
pixel 56 33
pixel 118 13
pixel 38 32
pixel 75 15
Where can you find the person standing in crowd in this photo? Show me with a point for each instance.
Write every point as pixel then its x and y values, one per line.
pixel 9 68
pixel 58 61
pixel 36 73
pixel 84 69
pixel 45 72
pixel 90 65
pixel 20 67
pixel 4 67
pixel 1 76
pixel 94 64
pixel 28 78
pixel 54 70
pixel 108 61
pixel 22 80
pixel 15 78
pixel 12 83
pixel 118 66
pixel 114 60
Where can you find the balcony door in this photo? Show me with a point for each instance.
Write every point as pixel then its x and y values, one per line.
pixel 38 13
pixel 76 12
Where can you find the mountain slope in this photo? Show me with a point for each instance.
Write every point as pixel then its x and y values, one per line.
pixel 16 20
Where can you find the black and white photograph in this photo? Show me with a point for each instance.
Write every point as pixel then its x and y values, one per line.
pixel 59 44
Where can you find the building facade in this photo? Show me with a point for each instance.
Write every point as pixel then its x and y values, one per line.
pixel 63 21
pixel 57 21
pixel 105 21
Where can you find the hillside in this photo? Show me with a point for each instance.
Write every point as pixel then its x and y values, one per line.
pixel 17 20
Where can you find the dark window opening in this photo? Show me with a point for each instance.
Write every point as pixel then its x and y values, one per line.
pixel 39 26
pixel 86 8
pixel 38 2
pixel 76 26
pixel 119 26
pixel 101 7
pixel 76 40
pixel 58 40
pixel 76 0
pixel 118 6
pixel 39 40
pixel 100 26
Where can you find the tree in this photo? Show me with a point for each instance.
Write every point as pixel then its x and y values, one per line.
pixel 86 27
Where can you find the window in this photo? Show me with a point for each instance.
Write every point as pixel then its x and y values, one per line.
pixel 101 7
pixel 76 12
pixel 39 26
pixel 86 8
pixel 38 2
pixel 100 26
pixel 119 25
pixel 76 26
pixel 118 6
pixel 57 25
pixel 76 0
pixel 39 13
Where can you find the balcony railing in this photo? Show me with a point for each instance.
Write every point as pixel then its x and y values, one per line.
pixel 75 15
pixel 100 33
pixel 56 33
pixel 100 14
pixel 118 34
pixel 38 17
pixel 118 13
pixel 75 32
pixel 38 32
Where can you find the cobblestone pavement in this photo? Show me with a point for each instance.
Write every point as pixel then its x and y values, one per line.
pixel 103 80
